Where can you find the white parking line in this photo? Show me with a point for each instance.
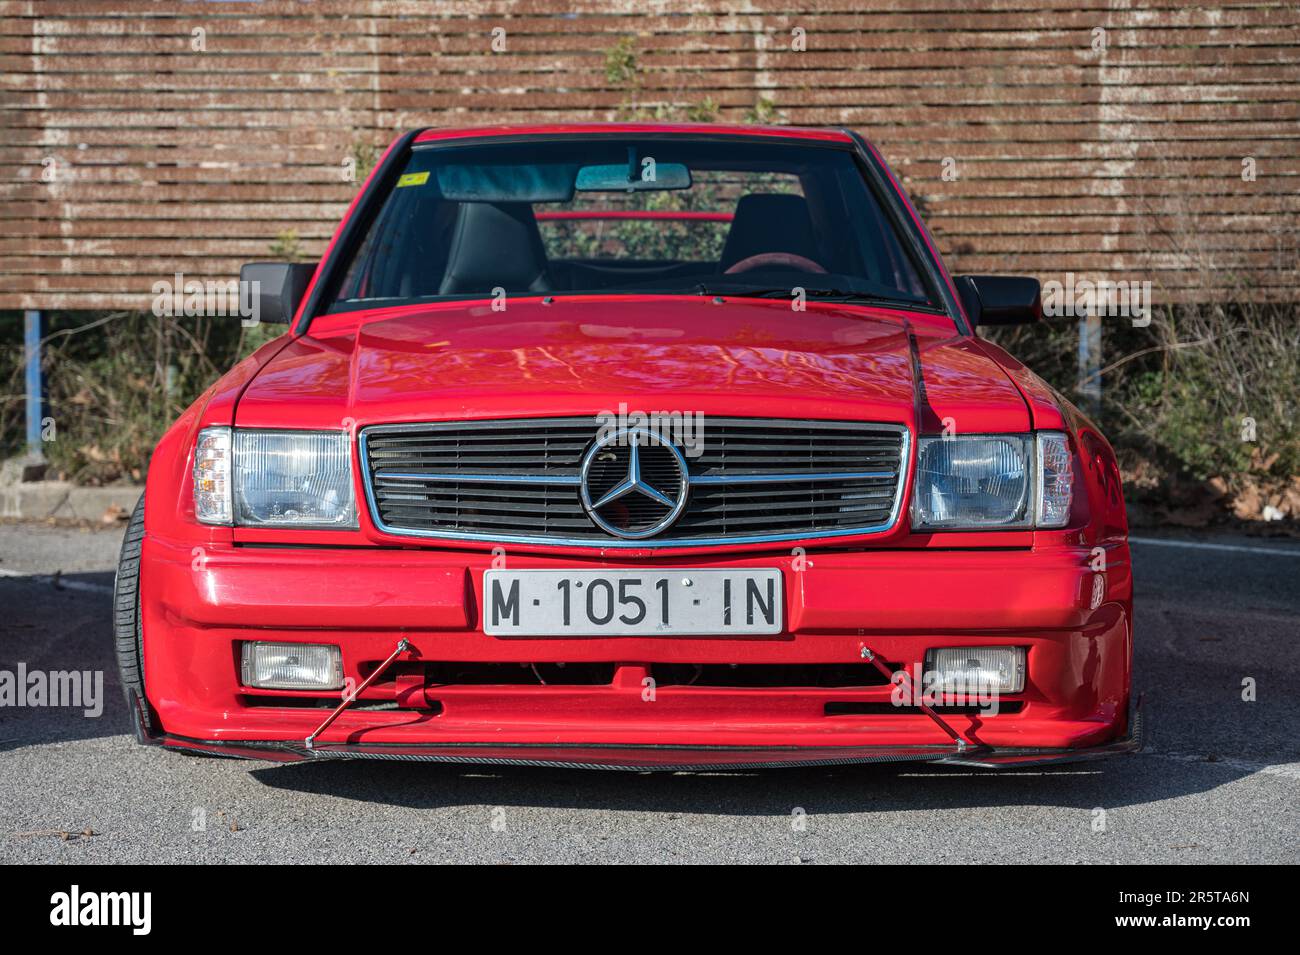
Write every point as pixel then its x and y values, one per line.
pixel 63 582
pixel 1198 545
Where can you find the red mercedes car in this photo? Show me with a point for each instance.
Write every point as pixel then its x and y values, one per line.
pixel 633 446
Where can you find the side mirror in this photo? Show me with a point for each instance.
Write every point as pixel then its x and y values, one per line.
pixel 1001 299
pixel 279 288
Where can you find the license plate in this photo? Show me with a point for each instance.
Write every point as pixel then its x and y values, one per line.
pixel 545 603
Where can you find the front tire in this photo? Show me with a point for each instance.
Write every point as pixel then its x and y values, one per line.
pixel 128 634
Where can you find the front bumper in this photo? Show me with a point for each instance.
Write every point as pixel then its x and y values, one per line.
pixel 198 608
pixel 650 758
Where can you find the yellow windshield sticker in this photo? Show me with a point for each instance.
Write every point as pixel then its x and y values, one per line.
pixel 413 179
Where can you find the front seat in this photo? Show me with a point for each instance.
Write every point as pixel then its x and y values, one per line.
pixel 495 244
pixel 769 222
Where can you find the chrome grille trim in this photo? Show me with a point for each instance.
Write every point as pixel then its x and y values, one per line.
pixel 787 490
pixel 790 477
pixel 470 477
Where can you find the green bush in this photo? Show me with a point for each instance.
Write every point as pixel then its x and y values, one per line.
pixel 1205 392
pixel 114 382
pixel 1177 394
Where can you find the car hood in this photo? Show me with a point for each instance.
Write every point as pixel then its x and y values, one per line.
pixel 583 356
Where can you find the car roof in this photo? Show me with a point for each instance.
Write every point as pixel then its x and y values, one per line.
pixel 812 133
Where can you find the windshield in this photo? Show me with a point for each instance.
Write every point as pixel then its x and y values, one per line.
pixel 629 216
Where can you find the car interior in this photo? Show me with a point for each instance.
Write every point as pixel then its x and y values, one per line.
pixel 729 219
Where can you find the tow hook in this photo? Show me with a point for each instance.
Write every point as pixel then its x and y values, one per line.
pixel 960 741
pixel 402 646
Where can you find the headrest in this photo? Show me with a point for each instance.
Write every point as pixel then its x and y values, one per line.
pixel 769 222
pixel 495 244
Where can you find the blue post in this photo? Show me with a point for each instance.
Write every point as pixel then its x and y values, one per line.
pixel 35 387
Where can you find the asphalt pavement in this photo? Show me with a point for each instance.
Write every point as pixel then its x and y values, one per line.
pixel 1218 782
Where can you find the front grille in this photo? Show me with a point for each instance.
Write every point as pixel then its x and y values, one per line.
pixel 519 481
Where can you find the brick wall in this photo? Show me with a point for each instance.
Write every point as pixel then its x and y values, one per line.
pixel 1123 162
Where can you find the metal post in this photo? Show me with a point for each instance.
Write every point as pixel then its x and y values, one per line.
pixel 35 386
pixel 1090 362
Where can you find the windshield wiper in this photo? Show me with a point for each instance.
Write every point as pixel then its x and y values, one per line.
pixel 821 294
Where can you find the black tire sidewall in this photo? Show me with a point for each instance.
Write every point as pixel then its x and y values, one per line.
pixel 128 631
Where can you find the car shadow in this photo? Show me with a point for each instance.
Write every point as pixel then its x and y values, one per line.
pixel 1118 781
pixel 60 623
pixel 1115 782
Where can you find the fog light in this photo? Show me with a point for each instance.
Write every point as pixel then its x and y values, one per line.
pixel 976 670
pixel 292 666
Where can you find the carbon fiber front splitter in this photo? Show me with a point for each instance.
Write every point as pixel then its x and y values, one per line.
pixel 652 758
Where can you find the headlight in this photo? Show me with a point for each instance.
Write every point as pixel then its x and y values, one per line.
pixel 276 479
pixel 294 478
pixel 970 482
pixel 973 481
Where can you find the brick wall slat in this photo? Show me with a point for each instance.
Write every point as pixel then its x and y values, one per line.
pixel 1068 160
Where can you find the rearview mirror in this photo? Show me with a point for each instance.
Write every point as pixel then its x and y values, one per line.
pixel 278 288
pixel 1001 299
pixel 644 177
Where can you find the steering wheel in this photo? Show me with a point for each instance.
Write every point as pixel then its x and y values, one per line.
pixel 764 259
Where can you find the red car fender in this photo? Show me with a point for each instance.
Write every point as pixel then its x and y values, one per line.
pixel 169 485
